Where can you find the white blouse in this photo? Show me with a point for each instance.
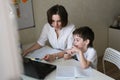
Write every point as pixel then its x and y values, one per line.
pixel 64 41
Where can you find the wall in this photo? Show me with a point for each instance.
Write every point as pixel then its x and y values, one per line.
pixel 113 40
pixel 98 14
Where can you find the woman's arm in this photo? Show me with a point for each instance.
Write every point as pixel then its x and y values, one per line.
pixel 52 57
pixel 32 48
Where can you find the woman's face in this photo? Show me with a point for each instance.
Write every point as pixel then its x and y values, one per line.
pixel 56 22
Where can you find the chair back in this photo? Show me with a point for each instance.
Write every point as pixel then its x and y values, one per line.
pixel 113 56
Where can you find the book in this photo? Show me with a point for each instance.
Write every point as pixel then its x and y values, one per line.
pixel 72 72
pixel 40 53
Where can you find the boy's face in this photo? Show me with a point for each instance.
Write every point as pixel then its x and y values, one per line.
pixel 79 42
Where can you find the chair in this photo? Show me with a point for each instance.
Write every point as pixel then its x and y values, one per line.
pixel 113 56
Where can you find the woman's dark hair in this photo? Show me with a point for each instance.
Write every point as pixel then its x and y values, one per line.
pixel 86 33
pixel 61 11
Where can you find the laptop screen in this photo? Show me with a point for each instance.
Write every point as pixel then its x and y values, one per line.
pixel 36 69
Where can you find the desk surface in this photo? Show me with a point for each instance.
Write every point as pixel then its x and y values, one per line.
pixel 61 62
pixel 52 76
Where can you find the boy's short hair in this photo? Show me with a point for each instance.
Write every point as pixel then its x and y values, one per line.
pixel 61 11
pixel 86 33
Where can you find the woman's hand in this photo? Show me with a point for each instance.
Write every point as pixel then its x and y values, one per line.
pixel 50 57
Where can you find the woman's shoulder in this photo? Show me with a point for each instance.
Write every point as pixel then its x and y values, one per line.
pixel 47 26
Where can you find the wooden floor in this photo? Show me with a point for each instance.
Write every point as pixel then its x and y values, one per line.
pixel 111 70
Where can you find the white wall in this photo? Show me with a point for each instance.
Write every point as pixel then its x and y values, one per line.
pixel 98 14
pixel 114 41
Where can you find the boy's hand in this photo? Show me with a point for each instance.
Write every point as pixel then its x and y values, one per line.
pixel 75 49
pixel 69 51
pixel 68 54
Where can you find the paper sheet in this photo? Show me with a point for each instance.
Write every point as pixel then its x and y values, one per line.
pixel 65 72
pixel 40 53
pixel 72 72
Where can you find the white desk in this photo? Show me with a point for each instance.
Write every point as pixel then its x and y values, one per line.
pixel 52 76
pixel 61 62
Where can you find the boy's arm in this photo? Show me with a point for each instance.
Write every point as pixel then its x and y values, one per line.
pixel 84 62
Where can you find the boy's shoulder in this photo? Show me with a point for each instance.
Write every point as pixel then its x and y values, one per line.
pixel 91 49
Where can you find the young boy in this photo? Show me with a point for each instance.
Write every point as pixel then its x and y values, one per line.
pixel 83 48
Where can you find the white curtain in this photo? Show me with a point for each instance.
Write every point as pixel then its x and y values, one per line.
pixel 10 60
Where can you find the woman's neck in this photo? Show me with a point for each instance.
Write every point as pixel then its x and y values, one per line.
pixel 57 32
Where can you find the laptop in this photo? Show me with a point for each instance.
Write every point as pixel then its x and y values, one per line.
pixel 38 70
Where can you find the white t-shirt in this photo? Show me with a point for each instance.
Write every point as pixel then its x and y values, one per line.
pixel 91 56
pixel 64 41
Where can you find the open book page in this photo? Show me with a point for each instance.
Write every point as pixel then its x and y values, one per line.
pixel 72 72
pixel 81 72
pixel 40 53
pixel 65 72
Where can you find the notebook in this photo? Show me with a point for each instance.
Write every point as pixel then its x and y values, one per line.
pixel 38 70
pixel 40 53
pixel 72 72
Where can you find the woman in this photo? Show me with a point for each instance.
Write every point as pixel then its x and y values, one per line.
pixel 57 31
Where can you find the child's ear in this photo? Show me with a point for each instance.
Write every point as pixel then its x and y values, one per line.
pixel 87 41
